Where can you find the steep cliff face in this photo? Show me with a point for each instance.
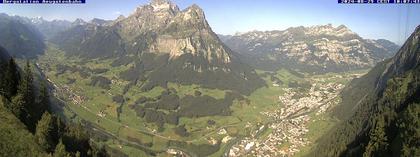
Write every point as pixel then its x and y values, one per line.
pixel 408 58
pixel 165 42
pixel 173 31
pixel 315 49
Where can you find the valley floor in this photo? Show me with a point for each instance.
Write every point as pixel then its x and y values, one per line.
pixel 301 119
pixel 282 119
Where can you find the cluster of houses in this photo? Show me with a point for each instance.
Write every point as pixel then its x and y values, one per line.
pixel 290 123
pixel 76 99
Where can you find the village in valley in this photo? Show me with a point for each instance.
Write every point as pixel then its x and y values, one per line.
pixel 289 125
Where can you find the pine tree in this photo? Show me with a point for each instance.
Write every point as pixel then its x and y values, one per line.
pixel 76 139
pixel 44 134
pixel 17 107
pixel 408 133
pixel 97 150
pixel 43 100
pixel 378 143
pixel 10 81
pixel 26 90
pixel 3 68
pixel 60 150
pixel 61 127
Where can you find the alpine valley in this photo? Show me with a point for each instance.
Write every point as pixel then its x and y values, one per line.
pixel 160 82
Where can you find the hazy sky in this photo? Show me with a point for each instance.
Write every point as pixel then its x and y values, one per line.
pixel 388 21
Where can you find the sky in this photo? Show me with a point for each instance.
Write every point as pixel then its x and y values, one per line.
pixel 394 22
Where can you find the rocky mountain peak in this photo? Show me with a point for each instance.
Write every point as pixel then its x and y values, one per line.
pixel 330 26
pixel 164 5
pixel 79 22
pixel 99 22
pixel 329 29
pixel 175 32
pixel 196 8
pixel 160 2
pixel 196 11
pixel 37 20
pixel 120 17
pixel 160 13
pixel 193 16
pixel 342 27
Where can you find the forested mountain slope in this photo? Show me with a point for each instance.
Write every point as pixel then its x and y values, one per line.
pixel 27 126
pixel 15 139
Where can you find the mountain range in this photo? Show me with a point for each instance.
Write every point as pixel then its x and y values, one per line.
pixel 322 48
pixel 19 38
pixel 151 28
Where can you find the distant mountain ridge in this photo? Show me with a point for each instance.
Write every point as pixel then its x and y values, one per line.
pixel 47 28
pixel 322 48
pixel 20 39
pixel 51 28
